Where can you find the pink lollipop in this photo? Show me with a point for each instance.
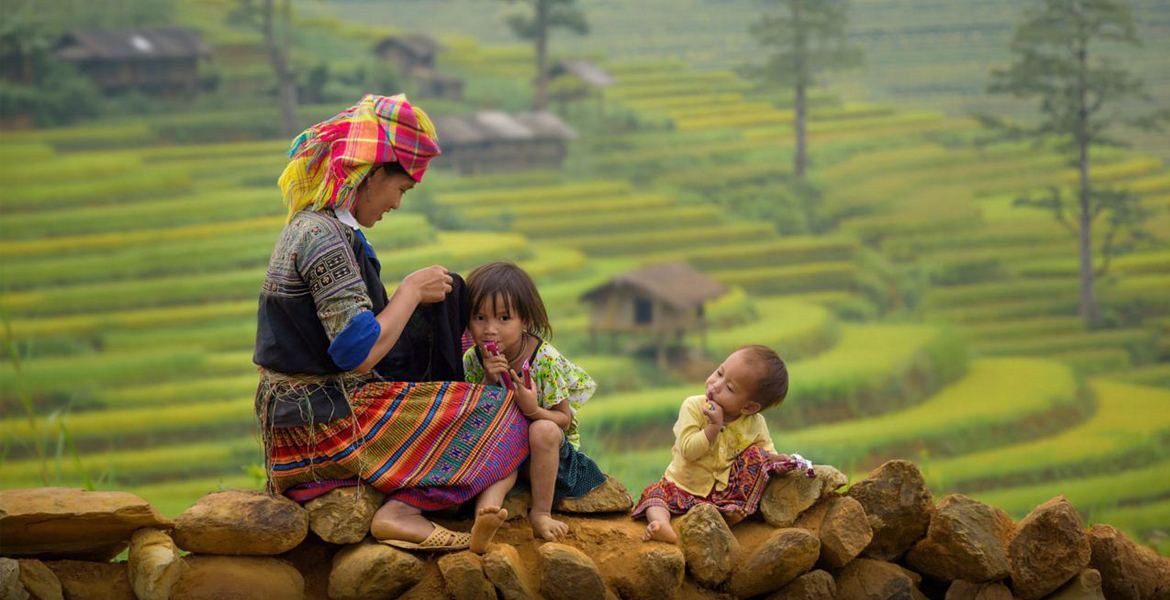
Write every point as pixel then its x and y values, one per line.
pixel 493 347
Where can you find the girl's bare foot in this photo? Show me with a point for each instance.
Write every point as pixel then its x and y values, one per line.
pixel 487 520
pixel 545 527
pixel 661 531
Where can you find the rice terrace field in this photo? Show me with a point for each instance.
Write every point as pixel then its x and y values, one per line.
pixel 922 314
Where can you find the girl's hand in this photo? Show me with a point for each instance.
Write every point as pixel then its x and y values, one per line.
pixel 525 395
pixel 714 412
pixel 494 365
pixel 430 285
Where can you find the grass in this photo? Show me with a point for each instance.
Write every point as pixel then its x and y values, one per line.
pixel 793 329
pixel 1088 494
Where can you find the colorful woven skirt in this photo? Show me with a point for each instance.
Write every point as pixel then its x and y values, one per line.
pixel 745 486
pixel 431 445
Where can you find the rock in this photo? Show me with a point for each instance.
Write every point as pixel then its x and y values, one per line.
pixel 966 540
pixel 610 496
pixel 241 522
pixel 504 569
pixel 71 523
pixel 708 545
pixel 814 585
pixel 85 580
pixel 314 559
pixel 10 585
pixel 463 572
pixel 1049 548
pixel 343 515
pixel 868 579
pixel 40 582
pixel 964 590
pixel 1128 571
pixel 1086 585
pixel 899 507
pixel 517 502
pixel 568 574
pixel 154 564
pixel 780 559
pixel 915 582
pixel 372 570
pixel 238 577
pixel 657 575
pixel 790 494
pixel 844 532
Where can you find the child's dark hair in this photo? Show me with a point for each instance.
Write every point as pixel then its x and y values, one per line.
pixel 503 280
pixel 772 387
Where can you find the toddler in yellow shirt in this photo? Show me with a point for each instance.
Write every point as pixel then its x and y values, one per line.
pixel 723 454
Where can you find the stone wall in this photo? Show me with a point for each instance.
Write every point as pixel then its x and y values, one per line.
pixel 885 538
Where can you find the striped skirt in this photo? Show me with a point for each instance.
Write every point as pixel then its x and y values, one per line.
pixel 431 445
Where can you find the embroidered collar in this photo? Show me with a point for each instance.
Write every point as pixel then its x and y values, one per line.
pixel 346 218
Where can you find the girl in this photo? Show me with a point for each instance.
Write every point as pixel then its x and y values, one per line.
pixel 508 324
pixel 722 451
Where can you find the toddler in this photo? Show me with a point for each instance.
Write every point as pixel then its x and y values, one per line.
pixel 723 454
pixel 508 326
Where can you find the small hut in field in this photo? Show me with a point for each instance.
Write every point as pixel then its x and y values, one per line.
pixel 494 141
pixel 154 60
pixel 411 54
pixel 577 79
pixel 660 304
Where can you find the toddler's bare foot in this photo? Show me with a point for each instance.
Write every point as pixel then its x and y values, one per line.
pixel 733 517
pixel 487 520
pixel 545 527
pixel 661 531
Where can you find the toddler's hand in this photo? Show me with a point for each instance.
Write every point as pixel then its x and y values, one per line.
pixel 525 394
pixel 713 411
pixel 778 460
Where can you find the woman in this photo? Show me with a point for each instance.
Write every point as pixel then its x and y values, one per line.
pixel 358 386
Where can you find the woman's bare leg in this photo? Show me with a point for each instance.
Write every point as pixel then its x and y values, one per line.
pixel 488 514
pixel 544 458
pixel 399 521
pixel 659 527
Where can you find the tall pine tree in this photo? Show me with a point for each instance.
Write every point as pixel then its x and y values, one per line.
pixel 536 27
pixel 809 39
pixel 1078 92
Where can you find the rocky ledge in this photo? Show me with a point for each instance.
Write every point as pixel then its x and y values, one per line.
pixel 883 539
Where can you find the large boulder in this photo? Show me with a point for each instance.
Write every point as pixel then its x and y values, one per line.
pixel 1049 548
pixel 10 584
pixel 85 580
pixel 155 565
pixel 568 574
pixel 840 523
pixel 1128 571
pixel 898 505
pixel 463 573
pixel 868 579
pixel 657 574
pixel 1086 585
pixel 785 555
pixel 232 577
pixel 71 523
pixel 610 496
pixel 506 571
pixel 241 522
pixel 789 494
pixel 40 582
pixel 814 585
pixel 372 570
pixel 342 516
pixel 967 540
pixel 708 545
pixel 965 590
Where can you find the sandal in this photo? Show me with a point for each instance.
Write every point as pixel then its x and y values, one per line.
pixel 440 539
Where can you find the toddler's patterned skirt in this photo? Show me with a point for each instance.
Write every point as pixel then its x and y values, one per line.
pixel 745 486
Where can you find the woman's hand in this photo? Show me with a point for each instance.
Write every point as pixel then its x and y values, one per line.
pixel 525 395
pixel 714 412
pixel 430 285
pixel 494 365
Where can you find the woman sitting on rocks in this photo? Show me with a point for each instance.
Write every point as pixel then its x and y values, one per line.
pixel 358 386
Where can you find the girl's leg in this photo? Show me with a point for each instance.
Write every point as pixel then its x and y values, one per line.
pixel 400 521
pixel 544 443
pixel 488 514
pixel 659 527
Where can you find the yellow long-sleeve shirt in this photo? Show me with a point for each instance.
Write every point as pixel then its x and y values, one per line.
pixel 698 465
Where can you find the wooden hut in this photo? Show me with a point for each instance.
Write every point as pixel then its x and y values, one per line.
pixel 158 60
pixel 494 141
pixel 430 84
pixel 660 303
pixel 411 54
pixel 577 79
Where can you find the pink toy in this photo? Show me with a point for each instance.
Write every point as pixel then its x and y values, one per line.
pixel 494 348
pixel 797 462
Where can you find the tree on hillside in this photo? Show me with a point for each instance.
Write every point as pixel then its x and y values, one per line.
pixel 276 44
pixel 1057 63
pixel 546 15
pixel 809 39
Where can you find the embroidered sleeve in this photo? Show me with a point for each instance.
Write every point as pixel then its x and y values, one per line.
pixel 558 379
pixel 472 369
pixel 688 430
pixel 325 261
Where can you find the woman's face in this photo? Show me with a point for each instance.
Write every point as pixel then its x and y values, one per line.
pixel 379 194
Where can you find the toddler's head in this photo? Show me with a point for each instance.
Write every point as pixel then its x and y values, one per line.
pixel 504 305
pixel 751 379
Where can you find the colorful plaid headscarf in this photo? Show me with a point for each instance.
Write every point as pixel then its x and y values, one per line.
pixel 331 158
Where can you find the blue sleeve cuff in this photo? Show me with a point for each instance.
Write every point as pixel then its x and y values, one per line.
pixel 351 347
